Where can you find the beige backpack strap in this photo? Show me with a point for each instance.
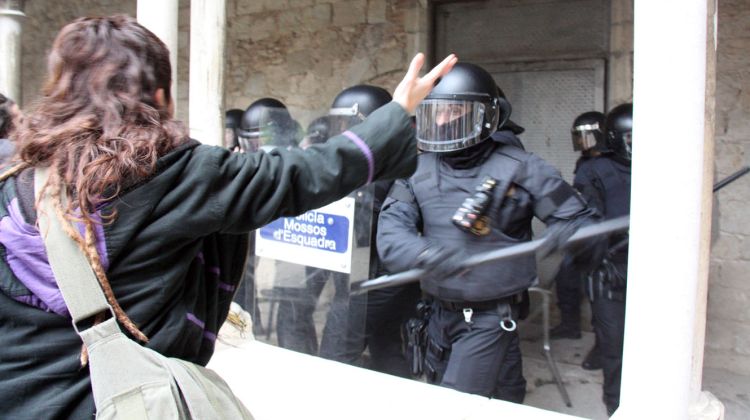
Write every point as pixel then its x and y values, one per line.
pixel 80 289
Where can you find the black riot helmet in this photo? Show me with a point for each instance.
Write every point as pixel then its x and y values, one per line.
pixel 587 132
pixel 317 132
pixel 232 120
pixel 619 126
pixel 353 105
pixel 463 109
pixel 266 123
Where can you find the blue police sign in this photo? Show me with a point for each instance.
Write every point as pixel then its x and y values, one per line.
pixel 320 238
pixel 314 229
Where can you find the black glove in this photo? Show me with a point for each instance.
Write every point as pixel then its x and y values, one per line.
pixel 441 262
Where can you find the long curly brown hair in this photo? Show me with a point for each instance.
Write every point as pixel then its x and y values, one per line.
pixel 99 125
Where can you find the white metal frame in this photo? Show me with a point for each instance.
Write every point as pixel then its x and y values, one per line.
pixel 671 207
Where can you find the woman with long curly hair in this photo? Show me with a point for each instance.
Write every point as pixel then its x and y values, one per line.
pixel 161 218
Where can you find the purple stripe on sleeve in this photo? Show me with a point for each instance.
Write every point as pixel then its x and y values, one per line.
pixel 226 287
pixel 194 319
pixel 199 257
pixel 214 270
pixel 208 335
pixel 366 151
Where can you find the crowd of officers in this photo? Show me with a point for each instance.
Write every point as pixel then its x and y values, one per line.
pixel 476 189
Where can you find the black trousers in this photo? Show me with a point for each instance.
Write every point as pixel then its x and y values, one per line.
pixel 374 322
pixel 569 290
pixel 478 357
pixel 354 322
pixel 295 327
pixel 609 326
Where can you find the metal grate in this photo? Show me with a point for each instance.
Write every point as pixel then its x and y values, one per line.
pixel 546 103
pixel 506 30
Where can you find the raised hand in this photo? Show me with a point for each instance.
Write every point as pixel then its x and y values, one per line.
pixel 413 89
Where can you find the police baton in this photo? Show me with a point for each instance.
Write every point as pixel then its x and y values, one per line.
pixel 731 178
pixel 526 248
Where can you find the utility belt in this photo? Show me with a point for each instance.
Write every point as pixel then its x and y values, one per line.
pixel 415 329
pixel 507 308
pixel 479 306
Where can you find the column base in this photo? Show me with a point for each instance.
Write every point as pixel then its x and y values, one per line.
pixel 707 407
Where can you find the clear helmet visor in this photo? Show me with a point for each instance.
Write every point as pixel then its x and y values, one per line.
pixel 583 140
pixel 275 129
pixel 337 124
pixel 259 139
pixel 448 125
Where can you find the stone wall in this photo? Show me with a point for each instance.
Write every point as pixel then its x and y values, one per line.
pixel 304 52
pixel 728 329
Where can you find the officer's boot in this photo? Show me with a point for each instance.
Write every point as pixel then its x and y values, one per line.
pixel 566 330
pixel 570 317
pixel 593 360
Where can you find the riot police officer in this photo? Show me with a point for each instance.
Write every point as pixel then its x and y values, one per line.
pixel 472 342
pixel 587 135
pixel 266 124
pixel 605 183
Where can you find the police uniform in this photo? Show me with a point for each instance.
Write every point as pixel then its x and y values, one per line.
pixel 605 183
pixel 569 290
pixel 472 345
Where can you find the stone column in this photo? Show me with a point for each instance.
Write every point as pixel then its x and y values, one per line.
pixel 207 50
pixel 11 19
pixel 417 26
pixel 620 66
pixel 161 18
pixel 670 210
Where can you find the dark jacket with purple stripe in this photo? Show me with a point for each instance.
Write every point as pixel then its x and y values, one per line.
pixel 174 255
